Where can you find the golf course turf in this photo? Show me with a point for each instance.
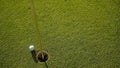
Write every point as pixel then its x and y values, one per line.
pixel 76 33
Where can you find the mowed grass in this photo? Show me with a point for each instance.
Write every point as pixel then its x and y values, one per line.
pixel 76 33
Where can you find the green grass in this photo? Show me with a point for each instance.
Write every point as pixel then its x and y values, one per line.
pixel 76 33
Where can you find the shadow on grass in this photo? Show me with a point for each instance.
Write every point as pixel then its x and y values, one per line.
pixel 46 65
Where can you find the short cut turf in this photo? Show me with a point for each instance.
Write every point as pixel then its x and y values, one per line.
pixel 76 33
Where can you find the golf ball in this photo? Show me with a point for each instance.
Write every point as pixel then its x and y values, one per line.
pixel 31 47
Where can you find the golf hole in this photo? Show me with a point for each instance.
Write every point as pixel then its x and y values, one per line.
pixel 44 58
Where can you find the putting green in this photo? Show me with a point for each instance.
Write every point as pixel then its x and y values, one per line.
pixel 76 33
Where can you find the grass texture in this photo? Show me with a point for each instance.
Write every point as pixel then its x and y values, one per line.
pixel 76 33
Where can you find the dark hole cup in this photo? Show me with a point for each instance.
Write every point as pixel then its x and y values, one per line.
pixel 44 58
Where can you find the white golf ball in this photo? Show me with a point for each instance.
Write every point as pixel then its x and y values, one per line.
pixel 31 47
